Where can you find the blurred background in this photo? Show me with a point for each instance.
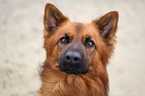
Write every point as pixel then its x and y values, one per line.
pixel 21 43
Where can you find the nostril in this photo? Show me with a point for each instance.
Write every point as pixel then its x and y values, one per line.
pixel 67 57
pixel 76 59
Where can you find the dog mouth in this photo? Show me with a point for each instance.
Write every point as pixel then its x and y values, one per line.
pixel 74 71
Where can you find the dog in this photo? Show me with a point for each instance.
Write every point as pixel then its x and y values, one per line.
pixel 76 54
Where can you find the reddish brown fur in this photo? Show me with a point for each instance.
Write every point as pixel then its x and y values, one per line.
pixel 93 83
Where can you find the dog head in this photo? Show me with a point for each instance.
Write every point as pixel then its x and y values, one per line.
pixel 78 48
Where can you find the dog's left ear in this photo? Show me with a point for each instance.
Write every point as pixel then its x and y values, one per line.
pixel 52 18
pixel 107 25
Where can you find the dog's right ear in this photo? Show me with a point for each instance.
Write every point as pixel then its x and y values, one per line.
pixel 52 18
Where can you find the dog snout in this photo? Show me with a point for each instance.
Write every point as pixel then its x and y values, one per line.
pixel 73 62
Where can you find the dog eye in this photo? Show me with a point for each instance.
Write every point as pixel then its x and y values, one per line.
pixel 90 43
pixel 63 40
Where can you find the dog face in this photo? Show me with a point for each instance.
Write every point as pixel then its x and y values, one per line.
pixel 77 47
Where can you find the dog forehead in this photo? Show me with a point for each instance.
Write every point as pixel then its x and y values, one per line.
pixel 79 29
pixel 85 29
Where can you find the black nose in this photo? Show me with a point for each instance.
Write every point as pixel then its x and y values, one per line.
pixel 72 57
pixel 73 62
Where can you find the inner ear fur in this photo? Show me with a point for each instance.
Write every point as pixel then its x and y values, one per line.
pixel 52 18
pixel 107 25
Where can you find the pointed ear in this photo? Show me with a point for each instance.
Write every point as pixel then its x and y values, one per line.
pixel 52 18
pixel 107 25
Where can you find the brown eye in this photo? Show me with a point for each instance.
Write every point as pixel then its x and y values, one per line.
pixel 63 40
pixel 90 43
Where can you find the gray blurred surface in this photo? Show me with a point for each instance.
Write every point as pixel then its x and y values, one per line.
pixel 21 43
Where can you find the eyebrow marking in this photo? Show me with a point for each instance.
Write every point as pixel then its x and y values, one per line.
pixel 88 36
